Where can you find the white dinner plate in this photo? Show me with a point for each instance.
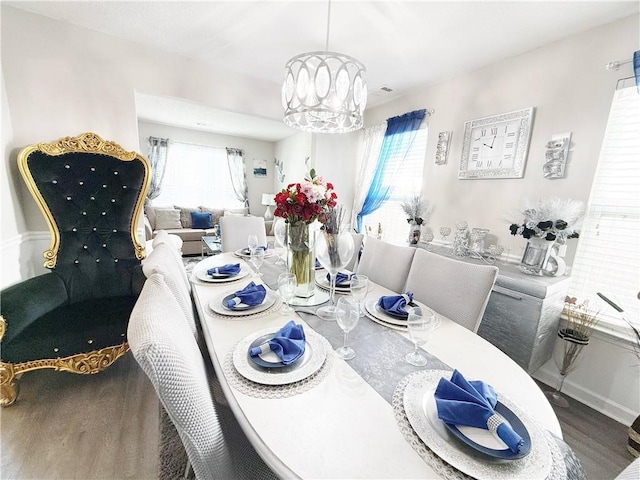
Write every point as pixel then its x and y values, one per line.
pixel 419 409
pixel 314 356
pixel 244 253
pixel 218 307
pixel 205 277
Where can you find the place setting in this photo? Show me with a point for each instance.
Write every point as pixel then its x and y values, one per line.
pixel 251 300
pixel 278 362
pixel 459 425
pixel 343 281
pixel 392 311
pixel 229 272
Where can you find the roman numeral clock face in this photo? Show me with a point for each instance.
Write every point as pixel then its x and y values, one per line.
pixel 495 147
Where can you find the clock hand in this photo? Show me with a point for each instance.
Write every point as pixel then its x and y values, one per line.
pixel 493 141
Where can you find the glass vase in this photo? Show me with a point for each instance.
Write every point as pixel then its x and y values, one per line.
pixel 535 256
pixel 302 257
pixel 334 251
pixel 567 355
pixel 414 232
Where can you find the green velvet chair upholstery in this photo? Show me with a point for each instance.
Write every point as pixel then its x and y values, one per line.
pixel 74 318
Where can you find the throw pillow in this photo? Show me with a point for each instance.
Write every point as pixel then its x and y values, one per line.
pixel 216 213
pixel 185 215
pixel 167 218
pixel 201 220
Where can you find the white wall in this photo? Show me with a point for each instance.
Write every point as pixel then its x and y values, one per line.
pixel 253 149
pixel 571 90
pixel 292 152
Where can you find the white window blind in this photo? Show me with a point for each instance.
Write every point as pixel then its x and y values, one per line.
pixel 197 175
pixel 407 181
pixel 608 255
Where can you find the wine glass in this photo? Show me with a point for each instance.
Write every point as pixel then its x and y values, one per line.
pixel 420 323
pixel 257 259
pixel 252 243
pixel 280 232
pixel 445 232
pixel 333 251
pixel 347 315
pixel 287 284
pixel 359 287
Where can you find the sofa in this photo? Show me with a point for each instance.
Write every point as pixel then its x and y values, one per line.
pixel 189 223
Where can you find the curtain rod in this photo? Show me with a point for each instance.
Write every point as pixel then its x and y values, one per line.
pixel 617 64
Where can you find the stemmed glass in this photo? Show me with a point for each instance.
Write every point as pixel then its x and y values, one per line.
pixel 257 259
pixel 287 283
pixel 420 323
pixel 280 232
pixel 359 286
pixel 252 243
pixel 333 251
pixel 347 315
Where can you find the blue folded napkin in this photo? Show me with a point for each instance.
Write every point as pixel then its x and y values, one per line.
pixel 228 269
pixel 318 264
pixel 287 343
pixel 396 304
pixel 340 277
pixel 461 402
pixel 250 295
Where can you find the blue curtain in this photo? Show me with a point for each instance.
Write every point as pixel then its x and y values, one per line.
pixel 636 67
pixel 398 139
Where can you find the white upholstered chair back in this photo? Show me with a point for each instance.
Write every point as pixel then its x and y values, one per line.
pixel 162 236
pixel 386 264
pixel 456 289
pixel 357 244
pixel 169 356
pixel 235 229
pixel 161 260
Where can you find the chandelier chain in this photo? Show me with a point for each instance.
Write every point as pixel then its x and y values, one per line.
pixel 326 43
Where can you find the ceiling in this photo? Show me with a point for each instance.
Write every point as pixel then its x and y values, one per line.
pixel 403 44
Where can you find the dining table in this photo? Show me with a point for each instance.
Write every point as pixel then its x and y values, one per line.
pixel 368 417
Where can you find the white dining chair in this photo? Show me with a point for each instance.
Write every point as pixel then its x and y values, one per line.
pixel 167 352
pixel 385 264
pixel 456 289
pixel 161 260
pixel 357 245
pixel 235 229
pixel 162 236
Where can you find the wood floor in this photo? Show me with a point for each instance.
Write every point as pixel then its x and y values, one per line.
pixel 68 426
pixel 105 426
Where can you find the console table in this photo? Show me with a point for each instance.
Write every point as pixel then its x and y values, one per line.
pixel 523 312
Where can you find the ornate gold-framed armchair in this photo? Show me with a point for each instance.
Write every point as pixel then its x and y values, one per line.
pixel 74 318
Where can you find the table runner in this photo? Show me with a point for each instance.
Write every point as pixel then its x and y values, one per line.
pixel 379 360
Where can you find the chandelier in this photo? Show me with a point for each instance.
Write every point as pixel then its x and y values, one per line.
pixel 324 92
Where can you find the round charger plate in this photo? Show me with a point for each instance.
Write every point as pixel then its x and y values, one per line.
pixel 311 361
pixel 433 432
pixel 218 307
pixel 205 277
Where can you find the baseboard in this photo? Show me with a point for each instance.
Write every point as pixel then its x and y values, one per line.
pixel 594 400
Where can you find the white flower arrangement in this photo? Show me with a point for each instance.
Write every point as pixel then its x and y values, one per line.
pixel 555 219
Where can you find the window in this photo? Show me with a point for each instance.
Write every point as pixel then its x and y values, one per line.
pixel 197 175
pixel 407 182
pixel 608 254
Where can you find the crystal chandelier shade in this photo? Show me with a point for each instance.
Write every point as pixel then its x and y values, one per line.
pixel 324 92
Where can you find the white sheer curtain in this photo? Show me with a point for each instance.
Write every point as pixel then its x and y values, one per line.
pixel 371 144
pixel 238 173
pixel 157 157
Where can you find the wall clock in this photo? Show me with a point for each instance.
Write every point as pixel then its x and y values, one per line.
pixel 496 146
